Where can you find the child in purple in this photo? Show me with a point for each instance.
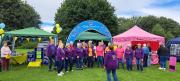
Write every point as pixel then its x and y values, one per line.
pixel 60 58
pixel 139 57
pixel 111 64
pixel 79 57
pixel 128 55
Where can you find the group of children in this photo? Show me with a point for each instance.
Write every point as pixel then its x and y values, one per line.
pixel 86 54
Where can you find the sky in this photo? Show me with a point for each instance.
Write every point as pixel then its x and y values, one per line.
pixel 124 8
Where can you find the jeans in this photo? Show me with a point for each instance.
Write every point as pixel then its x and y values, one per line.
pixel 122 63
pixel 79 63
pixel 129 64
pixel 108 72
pixel 100 61
pixel 163 60
pixel 51 58
pixel 145 60
pixel 60 65
pixel 139 64
pixel 90 61
pixel 85 60
pixel 68 63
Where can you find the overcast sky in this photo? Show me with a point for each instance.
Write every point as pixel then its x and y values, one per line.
pixel 124 8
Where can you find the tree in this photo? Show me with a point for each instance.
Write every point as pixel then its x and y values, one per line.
pixel 72 12
pixel 17 15
pixel 157 29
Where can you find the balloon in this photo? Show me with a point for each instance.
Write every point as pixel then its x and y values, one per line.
pixel 57 25
pixel 58 30
pixel 1 31
pixel 3 25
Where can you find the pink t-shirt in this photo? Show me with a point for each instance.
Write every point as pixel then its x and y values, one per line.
pixel 5 51
pixel 99 51
pixel 120 52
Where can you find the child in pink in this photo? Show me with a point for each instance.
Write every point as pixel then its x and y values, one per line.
pixel 120 55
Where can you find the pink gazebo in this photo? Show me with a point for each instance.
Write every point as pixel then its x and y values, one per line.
pixel 138 35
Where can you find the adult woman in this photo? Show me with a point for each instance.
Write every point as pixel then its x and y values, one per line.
pixel 91 55
pixel 5 52
pixel 51 53
pixel 60 58
pixel 139 57
pixel 100 54
pixel 68 58
pixel 85 51
pixel 120 55
pixel 79 57
pixel 128 54
pixel 110 63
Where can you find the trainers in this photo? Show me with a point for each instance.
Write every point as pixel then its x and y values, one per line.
pixel 164 68
pixel 72 70
pixel 59 74
pixel 160 68
pixel 62 73
pixel 67 71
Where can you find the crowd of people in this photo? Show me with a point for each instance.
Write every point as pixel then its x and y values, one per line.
pixel 111 57
pixel 87 55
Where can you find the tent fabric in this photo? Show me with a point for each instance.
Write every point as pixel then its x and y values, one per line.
pixel 173 41
pixel 136 34
pixel 32 31
pixel 92 36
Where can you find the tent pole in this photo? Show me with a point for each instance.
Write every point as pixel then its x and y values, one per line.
pixel 13 44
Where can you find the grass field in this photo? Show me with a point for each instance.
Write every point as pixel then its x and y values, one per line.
pixel 22 73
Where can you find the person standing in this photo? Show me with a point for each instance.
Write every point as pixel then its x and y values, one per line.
pixel 120 55
pixel 60 56
pixel 5 52
pixel 79 57
pixel 139 57
pixel 128 55
pixel 146 55
pixel 68 58
pixel 150 52
pixel 110 62
pixel 100 54
pixel 51 53
pixel 85 51
pixel 163 53
pixel 91 55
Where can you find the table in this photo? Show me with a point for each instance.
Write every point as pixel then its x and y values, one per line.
pixel 18 59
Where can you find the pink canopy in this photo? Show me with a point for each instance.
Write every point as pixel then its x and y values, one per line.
pixel 136 34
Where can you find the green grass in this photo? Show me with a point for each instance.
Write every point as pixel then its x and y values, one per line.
pixel 22 73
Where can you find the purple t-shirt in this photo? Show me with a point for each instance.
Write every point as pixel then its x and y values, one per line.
pixel 110 60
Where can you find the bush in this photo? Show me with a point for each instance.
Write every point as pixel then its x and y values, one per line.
pixel 27 45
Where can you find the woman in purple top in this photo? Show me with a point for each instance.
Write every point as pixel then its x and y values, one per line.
pixel 139 57
pixel 79 57
pixel 128 55
pixel 51 53
pixel 85 51
pixel 68 58
pixel 60 58
pixel 111 64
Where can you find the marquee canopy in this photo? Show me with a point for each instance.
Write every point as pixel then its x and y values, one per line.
pixel 32 31
pixel 136 34
pixel 173 41
pixel 91 36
